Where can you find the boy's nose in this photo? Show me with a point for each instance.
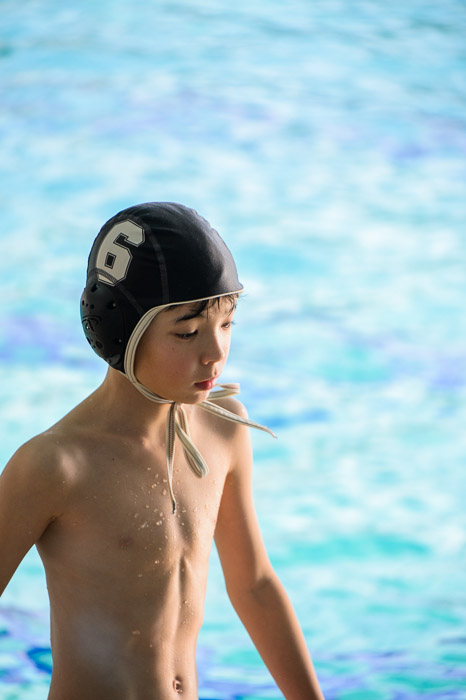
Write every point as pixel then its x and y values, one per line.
pixel 213 351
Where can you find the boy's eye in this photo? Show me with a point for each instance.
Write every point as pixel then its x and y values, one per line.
pixel 185 336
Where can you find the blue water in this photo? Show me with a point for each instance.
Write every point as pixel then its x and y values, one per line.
pixel 327 143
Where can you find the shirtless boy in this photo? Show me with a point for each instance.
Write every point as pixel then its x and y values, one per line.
pixel 116 496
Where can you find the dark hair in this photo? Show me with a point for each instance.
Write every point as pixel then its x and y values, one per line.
pixel 199 306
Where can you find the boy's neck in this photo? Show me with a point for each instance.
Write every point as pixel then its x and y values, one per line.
pixel 128 411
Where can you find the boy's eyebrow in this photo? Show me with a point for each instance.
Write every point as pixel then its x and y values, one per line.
pixel 195 314
pixel 188 316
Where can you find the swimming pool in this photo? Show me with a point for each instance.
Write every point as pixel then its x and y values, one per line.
pixel 327 143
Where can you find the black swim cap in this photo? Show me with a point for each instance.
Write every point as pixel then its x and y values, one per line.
pixel 147 256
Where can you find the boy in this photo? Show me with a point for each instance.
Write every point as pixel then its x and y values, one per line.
pixel 123 526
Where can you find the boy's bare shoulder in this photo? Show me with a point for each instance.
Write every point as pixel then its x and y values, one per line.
pixel 233 405
pixel 50 455
pixel 228 428
pixel 237 436
pixel 40 449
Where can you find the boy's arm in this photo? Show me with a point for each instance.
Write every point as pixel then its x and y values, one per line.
pixel 31 493
pixel 252 585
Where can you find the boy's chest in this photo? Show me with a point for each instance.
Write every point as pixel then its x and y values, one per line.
pixel 120 516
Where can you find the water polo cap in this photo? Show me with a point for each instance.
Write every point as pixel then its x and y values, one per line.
pixel 144 259
pixel 147 256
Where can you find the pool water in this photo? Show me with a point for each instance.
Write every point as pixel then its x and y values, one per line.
pixel 327 143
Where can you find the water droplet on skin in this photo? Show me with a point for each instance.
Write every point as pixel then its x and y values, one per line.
pixel 159 522
pixel 156 561
pixel 140 576
pixel 164 481
pixel 164 492
pixel 136 515
pixel 136 631
pixel 154 486
pixel 147 506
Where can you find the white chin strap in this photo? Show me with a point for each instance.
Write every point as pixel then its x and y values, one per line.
pixel 177 420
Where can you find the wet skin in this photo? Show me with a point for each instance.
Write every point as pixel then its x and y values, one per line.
pixel 127 577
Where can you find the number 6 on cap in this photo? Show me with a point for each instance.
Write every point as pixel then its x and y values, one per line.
pixel 113 258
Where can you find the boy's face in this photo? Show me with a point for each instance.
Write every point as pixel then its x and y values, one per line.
pixel 180 357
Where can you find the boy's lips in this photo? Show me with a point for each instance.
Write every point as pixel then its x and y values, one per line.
pixel 207 384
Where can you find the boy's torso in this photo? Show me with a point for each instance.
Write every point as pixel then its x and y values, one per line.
pixel 126 576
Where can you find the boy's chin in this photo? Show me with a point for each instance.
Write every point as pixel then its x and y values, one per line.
pixel 191 399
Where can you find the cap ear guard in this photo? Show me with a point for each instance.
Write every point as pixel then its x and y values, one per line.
pixel 103 323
